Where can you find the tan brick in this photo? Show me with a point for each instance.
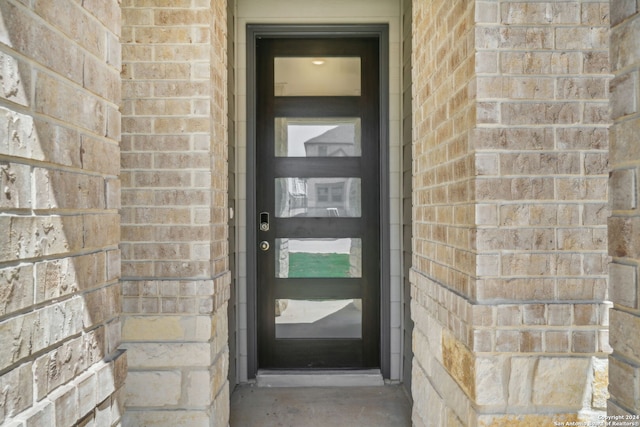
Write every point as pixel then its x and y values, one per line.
pixel 595 14
pixel 585 289
pixel 514 37
pixel 585 38
pixel 584 342
pixel 101 231
pixel 74 23
pixel 41 414
pixel 582 88
pixel 624 382
pixel 540 13
pixel 159 251
pixel 540 113
pixel 60 101
pixel 19 136
pixel 583 138
pixel 515 88
pixel 17 391
pixel 163 179
pixel 30 237
pixel 556 341
pixel 596 62
pixel 182 161
pixel 16 81
pixel 107 12
pixel 537 62
pixel 42 43
pixel 508 341
pixel 16 288
pixel 15 182
pixel 623 337
pixel 622 237
pixel 62 190
pixel 59 145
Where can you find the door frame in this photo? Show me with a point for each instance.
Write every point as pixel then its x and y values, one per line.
pixel 381 32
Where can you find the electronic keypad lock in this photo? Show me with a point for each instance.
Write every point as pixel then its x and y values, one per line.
pixel 264 221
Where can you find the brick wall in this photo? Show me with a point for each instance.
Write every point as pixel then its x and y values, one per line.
pixel 59 258
pixel 542 163
pixel 174 212
pixel 509 290
pixel 624 363
pixel 443 215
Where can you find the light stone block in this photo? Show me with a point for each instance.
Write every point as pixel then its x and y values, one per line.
pixel 153 328
pixel 521 381
pixel 152 418
pixel 624 337
pixel 560 381
pixel 153 388
pixel 460 363
pixel 198 390
pixel 156 355
pixel 489 373
pixel 16 288
pixel 622 285
pixel 600 384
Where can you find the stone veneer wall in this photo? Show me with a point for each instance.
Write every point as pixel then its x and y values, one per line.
pixel 510 196
pixel 624 224
pixel 174 212
pixel 59 224
pixel 232 307
pixel 407 201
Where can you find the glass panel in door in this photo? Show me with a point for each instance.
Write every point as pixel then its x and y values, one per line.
pixel 317 76
pixel 317 137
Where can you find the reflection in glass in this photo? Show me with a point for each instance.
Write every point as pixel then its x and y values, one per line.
pixel 335 76
pixel 318 319
pixel 317 197
pixel 297 258
pixel 319 137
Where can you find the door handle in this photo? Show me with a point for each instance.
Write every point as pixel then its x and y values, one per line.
pixel 264 245
pixel 264 221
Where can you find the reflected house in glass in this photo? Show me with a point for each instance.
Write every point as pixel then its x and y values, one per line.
pixel 333 196
pixel 336 142
pixel 320 197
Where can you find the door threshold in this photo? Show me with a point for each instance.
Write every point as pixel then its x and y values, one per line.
pixel 337 378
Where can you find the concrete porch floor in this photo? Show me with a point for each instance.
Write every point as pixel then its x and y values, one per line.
pixel 381 406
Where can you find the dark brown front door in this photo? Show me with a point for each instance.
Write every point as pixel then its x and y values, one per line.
pixel 318 203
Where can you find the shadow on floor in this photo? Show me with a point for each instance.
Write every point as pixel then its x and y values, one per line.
pixel 384 406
